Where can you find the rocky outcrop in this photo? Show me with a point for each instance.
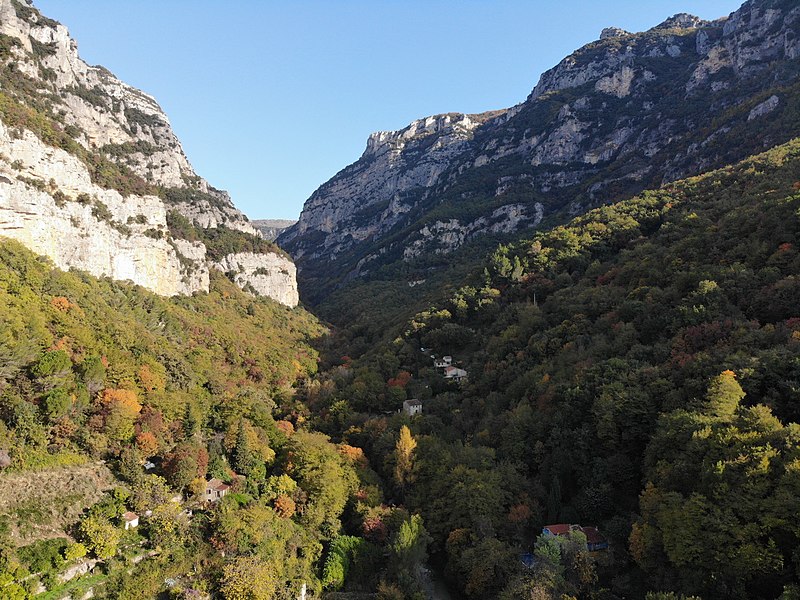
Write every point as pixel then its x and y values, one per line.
pixel 264 275
pixel 613 32
pixel 393 163
pixel 90 169
pixel 446 237
pixel 766 107
pixel 627 112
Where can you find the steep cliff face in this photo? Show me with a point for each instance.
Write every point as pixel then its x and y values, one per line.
pixel 367 198
pixel 622 114
pixel 91 173
pixel 264 275
pixel 49 203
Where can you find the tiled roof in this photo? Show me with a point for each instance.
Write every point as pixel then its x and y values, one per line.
pixel 560 529
pixel 593 535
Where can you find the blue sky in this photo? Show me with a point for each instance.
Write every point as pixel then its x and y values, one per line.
pixel 270 99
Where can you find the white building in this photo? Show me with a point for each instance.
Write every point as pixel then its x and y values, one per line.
pixel 443 363
pixel 412 407
pixel 130 520
pixel 455 373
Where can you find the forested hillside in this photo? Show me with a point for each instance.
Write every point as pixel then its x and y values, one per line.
pixel 116 401
pixel 636 370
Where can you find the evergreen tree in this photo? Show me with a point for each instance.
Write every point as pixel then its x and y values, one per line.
pixel 191 422
pixel 243 456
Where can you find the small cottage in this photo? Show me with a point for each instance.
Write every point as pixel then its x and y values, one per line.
pixel 594 539
pixel 455 374
pixel 130 520
pixel 216 489
pixel 412 407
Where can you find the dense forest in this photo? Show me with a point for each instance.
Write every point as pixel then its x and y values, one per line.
pixel 635 370
pixel 140 400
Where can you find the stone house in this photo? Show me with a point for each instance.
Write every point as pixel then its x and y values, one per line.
pixel 412 407
pixel 216 489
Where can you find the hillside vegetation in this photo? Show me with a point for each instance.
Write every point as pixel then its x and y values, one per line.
pixel 636 369
pixel 168 393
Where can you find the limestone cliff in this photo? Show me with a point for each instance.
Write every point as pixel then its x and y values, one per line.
pixel 627 112
pixel 91 173
pixel 264 275
pixel 372 188
pixel 49 203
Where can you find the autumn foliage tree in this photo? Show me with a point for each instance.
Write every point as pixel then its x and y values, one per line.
pixel 401 381
pixel 404 457
pixel 185 463
pixel 120 408
pixel 100 536
pixel 284 506
pixel 146 443
pixel 248 578
pixel 724 394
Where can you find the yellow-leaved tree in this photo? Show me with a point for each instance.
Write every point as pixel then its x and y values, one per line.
pixel 404 457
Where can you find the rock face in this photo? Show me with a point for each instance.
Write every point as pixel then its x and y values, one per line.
pixel 628 112
pixel 91 173
pixel 271 228
pixel 104 233
pixel 373 187
pixel 264 275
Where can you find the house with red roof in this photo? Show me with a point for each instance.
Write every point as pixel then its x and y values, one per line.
pixel 594 539
pixel 130 520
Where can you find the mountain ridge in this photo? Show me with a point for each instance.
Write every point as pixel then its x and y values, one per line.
pixel 621 114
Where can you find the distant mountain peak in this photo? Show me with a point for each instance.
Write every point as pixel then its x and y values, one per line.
pixel 682 21
pixel 613 32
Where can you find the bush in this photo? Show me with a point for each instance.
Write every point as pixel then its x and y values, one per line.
pixel 44 556
pixel 343 550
